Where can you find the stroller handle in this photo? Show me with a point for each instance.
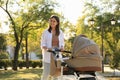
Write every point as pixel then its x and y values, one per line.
pixel 58 50
pixel 54 51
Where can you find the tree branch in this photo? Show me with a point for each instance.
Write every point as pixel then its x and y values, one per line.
pixel 7 4
pixel 13 23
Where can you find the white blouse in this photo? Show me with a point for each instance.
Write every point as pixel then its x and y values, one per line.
pixel 46 40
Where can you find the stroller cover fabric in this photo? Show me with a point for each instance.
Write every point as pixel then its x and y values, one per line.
pixel 85 55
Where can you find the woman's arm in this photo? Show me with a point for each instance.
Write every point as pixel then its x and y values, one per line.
pixel 62 41
pixel 43 41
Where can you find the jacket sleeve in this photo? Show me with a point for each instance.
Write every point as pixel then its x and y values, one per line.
pixel 62 39
pixel 43 39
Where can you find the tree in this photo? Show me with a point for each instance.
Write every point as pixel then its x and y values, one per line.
pixel 21 20
pixel 102 14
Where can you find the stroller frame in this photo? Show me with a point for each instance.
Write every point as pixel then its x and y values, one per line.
pixel 71 70
pixel 77 74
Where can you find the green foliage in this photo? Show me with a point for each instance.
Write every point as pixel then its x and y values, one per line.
pixel 21 63
pixel 5 63
pixel 32 63
pixel 115 60
pixel 1 2
pixel 33 15
pixel 4 55
pixel 2 42
pixel 102 14
pixel 36 63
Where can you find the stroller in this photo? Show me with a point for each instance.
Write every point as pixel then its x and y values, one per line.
pixel 85 60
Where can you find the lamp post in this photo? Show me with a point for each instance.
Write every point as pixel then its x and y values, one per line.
pixel 102 42
pixel 113 22
pixel 91 21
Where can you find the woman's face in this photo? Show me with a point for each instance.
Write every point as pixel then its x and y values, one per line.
pixel 53 22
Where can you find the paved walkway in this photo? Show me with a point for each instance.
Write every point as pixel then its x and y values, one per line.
pixel 111 72
pixel 100 76
pixel 108 72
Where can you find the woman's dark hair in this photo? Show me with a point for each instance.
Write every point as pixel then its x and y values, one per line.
pixel 57 26
pixel 82 35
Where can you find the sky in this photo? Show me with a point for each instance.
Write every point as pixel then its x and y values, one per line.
pixel 3 18
pixel 70 9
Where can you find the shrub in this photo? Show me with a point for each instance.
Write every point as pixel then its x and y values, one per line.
pixel 36 63
pixel 40 64
pixel 5 63
pixel 115 60
pixel 21 64
pixel 4 55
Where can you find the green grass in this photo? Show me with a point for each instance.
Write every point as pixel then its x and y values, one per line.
pixel 21 74
pixel 113 78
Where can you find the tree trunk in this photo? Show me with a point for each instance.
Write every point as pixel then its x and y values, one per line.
pixel 27 55
pixel 16 53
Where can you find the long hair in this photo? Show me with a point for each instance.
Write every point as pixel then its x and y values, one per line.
pixel 83 35
pixel 57 26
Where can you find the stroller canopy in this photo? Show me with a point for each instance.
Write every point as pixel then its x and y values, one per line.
pixel 83 45
pixel 85 55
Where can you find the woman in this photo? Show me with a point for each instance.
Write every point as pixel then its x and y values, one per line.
pixel 51 38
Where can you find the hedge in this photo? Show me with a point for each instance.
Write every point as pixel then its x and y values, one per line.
pixel 5 63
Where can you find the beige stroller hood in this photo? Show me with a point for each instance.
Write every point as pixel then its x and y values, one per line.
pixel 85 55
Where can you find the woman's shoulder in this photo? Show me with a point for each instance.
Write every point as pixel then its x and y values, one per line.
pixel 45 31
pixel 61 31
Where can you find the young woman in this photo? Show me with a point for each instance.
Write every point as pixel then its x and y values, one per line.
pixel 51 38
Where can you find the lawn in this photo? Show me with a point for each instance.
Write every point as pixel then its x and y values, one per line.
pixel 113 78
pixel 21 74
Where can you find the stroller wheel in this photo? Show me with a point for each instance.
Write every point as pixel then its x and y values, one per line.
pixel 88 78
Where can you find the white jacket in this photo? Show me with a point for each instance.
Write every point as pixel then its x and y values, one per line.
pixel 46 40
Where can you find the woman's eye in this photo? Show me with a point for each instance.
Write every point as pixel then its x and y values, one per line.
pixel 52 21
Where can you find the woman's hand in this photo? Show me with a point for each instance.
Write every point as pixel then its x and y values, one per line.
pixel 49 49
pixel 62 49
pixel 44 47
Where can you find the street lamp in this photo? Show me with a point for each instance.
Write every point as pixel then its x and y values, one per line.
pixel 102 32
pixel 113 21
pixel 91 21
